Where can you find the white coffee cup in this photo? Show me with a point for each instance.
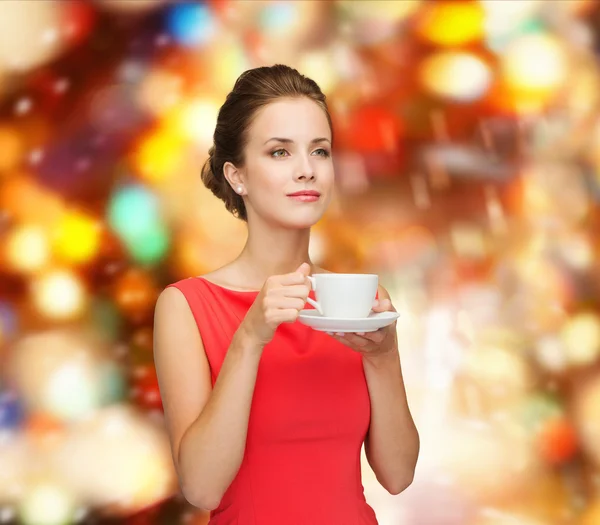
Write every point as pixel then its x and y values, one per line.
pixel 344 295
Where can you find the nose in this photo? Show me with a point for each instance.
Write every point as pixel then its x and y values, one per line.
pixel 305 170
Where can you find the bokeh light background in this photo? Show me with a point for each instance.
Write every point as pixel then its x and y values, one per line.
pixel 467 164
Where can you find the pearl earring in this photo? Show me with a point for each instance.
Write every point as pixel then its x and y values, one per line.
pixel 239 189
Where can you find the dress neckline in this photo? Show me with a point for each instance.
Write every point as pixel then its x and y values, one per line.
pixel 231 290
pixel 228 289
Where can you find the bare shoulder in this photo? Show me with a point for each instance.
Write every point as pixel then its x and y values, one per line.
pixel 173 319
pixel 169 298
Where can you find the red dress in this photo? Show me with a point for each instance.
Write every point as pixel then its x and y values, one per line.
pixel 309 417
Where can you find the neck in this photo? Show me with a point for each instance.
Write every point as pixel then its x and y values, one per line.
pixel 273 252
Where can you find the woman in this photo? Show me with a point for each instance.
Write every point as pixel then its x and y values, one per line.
pixel 266 417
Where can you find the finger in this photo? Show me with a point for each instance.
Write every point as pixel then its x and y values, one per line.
pixel 295 290
pixel 289 315
pixel 288 279
pixel 308 283
pixel 286 303
pixel 356 340
pixel 304 269
pixel 385 305
pixel 375 337
pixel 341 337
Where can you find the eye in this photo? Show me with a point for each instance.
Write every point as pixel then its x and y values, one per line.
pixel 322 152
pixel 277 152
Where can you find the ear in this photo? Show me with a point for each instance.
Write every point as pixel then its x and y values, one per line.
pixel 233 175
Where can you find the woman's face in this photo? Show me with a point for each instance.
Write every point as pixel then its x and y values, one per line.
pixel 288 150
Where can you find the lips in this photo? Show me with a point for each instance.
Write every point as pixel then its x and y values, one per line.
pixel 307 193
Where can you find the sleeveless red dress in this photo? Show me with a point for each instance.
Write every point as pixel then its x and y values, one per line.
pixel 309 417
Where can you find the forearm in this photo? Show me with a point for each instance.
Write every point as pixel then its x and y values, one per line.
pixel 392 444
pixel 212 448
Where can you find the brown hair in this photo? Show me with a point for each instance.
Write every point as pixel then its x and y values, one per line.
pixel 253 89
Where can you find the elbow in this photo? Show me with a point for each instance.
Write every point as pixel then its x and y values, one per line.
pixel 400 485
pixel 201 499
pixel 405 476
pixel 396 472
pixel 195 492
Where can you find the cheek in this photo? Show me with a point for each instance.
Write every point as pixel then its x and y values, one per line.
pixel 274 182
pixel 268 185
pixel 326 176
pixel 266 175
pixel 329 174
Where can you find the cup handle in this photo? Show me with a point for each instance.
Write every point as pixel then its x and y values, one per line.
pixel 313 282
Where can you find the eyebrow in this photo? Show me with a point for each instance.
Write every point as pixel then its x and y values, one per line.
pixel 290 141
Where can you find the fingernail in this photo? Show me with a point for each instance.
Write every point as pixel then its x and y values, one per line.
pixel 329 333
pixel 340 334
pixel 360 333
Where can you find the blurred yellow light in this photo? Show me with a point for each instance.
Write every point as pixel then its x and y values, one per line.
pixel 319 66
pixel 535 65
pixel 591 514
pixel 380 8
pixel 195 121
pixel 500 370
pixel 47 503
pixel 29 34
pixel 455 75
pixel 581 337
pixel 586 404
pixel 160 91
pixel 77 237
pixel 158 156
pixel 576 250
pixel 226 62
pixel 59 294
pixel 11 147
pixel 502 17
pixel 594 150
pixel 555 190
pixel 15 476
pixel 535 199
pixel 118 440
pixel 452 23
pixel 27 248
pixel 468 240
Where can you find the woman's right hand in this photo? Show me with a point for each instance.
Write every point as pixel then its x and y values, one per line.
pixel 280 300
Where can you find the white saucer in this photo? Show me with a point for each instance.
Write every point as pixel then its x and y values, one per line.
pixel 373 322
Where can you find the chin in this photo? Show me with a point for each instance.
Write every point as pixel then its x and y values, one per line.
pixel 301 221
pixel 295 217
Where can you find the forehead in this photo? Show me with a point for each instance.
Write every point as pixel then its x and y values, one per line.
pixel 298 119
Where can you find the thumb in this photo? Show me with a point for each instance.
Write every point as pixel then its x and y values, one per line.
pixel 304 268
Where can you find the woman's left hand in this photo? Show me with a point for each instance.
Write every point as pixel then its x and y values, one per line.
pixel 372 344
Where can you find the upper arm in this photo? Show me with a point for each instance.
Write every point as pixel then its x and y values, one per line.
pixel 182 368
